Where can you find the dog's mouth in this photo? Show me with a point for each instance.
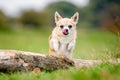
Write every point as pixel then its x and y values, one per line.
pixel 65 32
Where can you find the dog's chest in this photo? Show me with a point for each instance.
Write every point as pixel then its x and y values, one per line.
pixel 63 43
pixel 64 40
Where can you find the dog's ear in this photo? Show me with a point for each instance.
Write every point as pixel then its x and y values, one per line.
pixel 57 17
pixel 75 17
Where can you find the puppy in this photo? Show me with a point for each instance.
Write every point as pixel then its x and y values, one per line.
pixel 63 38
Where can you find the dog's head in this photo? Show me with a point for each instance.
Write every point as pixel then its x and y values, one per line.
pixel 66 26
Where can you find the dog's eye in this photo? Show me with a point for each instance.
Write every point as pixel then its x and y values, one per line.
pixel 70 26
pixel 61 26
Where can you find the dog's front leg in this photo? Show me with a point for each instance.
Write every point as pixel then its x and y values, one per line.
pixel 55 45
pixel 71 46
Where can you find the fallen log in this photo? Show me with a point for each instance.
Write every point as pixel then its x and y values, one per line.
pixel 14 60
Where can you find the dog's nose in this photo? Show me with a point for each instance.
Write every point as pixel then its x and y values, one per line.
pixel 66 30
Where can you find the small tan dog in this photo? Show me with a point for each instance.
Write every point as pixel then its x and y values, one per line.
pixel 63 37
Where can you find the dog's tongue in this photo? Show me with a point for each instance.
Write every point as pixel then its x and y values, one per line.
pixel 65 32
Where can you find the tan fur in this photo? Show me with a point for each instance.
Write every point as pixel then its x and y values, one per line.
pixel 60 44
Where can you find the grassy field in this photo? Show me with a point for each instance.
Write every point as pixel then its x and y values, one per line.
pixel 91 44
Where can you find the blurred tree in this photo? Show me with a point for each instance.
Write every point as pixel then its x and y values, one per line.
pixel 110 17
pixel 66 9
pixel 34 19
pixel 3 21
pixel 103 13
pixel 92 12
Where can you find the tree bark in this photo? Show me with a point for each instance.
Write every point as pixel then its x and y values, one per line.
pixel 14 60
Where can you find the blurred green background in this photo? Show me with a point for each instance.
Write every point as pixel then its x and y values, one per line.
pixel 98 37
pixel 98 28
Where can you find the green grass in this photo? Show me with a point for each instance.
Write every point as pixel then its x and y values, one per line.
pixel 91 44
pixel 100 72
pixel 94 44
pixel 26 40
